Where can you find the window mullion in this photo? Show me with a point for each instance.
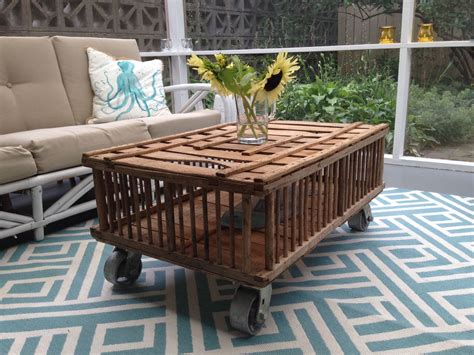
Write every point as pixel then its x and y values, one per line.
pixel 404 73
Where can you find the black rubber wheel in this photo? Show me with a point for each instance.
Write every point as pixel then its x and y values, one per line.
pixel 361 220
pixel 122 268
pixel 244 311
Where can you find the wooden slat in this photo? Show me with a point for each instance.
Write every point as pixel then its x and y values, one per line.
pixel 216 142
pixel 179 157
pixel 269 231
pixel 192 213
pixel 218 226
pixel 123 205
pixel 148 206
pixel 313 158
pixel 98 177
pixel 179 192
pixel 269 145
pixel 332 173
pixel 118 208
pixel 342 187
pixel 168 146
pixel 287 152
pixel 205 221
pixel 169 212
pixel 313 204
pixel 327 181
pixel 285 221
pixel 335 194
pixel 159 213
pixel 246 233
pixel 125 188
pixel 293 216
pixel 319 214
pixel 157 140
pixel 277 225
pixel 136 206
pixel 110 200
pixel 231 230
pixel 301 212
pixel 306 208
pixel 381 152
pixel 350 186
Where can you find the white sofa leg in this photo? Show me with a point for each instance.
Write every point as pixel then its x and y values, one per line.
pixel 37 202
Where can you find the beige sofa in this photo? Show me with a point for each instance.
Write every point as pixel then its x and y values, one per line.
pixel 45 102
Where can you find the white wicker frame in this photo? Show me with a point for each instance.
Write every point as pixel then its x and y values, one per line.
pixel 14 223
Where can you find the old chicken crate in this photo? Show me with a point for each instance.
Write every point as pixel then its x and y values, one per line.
pixel 201 200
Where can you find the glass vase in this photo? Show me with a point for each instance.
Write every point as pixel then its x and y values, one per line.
pixel 252 121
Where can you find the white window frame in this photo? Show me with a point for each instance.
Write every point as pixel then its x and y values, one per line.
pixel 458 176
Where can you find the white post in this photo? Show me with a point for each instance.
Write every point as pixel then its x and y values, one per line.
pixel 37 206
pixel 175 18
pixel 404 73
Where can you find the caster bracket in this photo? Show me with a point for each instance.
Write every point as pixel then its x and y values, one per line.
pixel 264 295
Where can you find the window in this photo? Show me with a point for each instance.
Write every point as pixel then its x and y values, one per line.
pixel 441 104
pixel 217 24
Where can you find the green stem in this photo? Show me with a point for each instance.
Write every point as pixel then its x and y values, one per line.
pixel 250 112
pixel 243 128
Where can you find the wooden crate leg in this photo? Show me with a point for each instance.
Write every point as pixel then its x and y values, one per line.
pixel 100 196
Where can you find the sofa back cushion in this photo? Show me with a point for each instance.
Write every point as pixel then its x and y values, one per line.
pixel 32 94
pixel 73 63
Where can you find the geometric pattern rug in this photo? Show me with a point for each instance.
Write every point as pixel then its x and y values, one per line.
pixel 405 285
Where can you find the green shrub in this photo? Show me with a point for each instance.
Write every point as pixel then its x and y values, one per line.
pixel 437 116
pixel 367 99
pixel 447 114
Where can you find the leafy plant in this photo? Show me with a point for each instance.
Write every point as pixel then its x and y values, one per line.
pixel 447 114
pixel 440 115
pixel 331 97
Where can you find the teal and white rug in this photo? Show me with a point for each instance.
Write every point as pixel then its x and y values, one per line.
pixel 406 285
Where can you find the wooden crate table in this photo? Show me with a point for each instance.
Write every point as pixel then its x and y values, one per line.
pixel 191 198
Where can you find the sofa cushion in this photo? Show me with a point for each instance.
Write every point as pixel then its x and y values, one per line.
pixel 181 122
pixel 32 94
pixel 59 148
pixel 16 163
pixel 73 63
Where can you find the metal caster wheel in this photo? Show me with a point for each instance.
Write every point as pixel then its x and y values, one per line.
pixel 361 220
pixel 249 308
pixel 122 268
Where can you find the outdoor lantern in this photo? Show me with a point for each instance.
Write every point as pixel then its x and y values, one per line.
pixel 425 32
pixel 387 34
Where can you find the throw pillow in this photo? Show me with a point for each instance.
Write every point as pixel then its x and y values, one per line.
pixel 125 89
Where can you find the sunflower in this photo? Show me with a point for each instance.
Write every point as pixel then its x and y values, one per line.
pixel 279 73
pixel 221 60
pixel 207 74
pixel 198 64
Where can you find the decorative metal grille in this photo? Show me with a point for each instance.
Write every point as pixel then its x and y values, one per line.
pixel 144 20
pixel 225 24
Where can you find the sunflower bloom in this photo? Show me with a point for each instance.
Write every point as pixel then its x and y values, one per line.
pixel 279 73
pixel 196 63
pixel 221 60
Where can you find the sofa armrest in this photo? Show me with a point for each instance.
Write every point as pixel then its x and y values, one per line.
pixel 199 92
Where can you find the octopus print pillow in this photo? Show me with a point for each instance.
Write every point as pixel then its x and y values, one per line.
pixel 125 89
